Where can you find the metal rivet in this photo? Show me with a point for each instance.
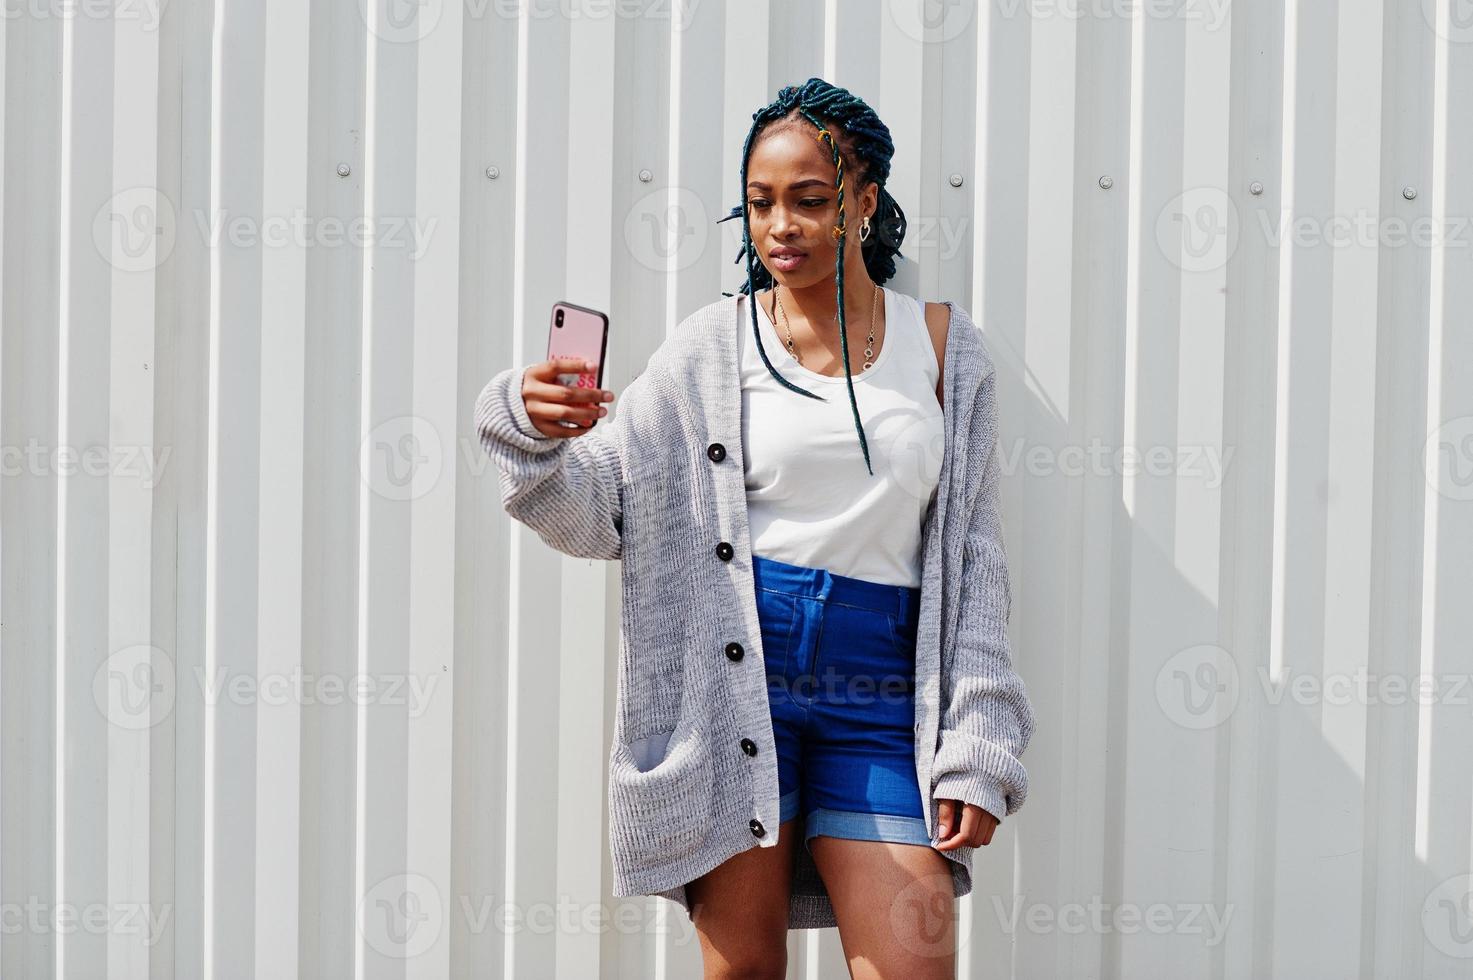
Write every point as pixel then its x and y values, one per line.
pixel 344 170
pixel 493 172
pixel 956 180
pixel 1107 182
pixel 646 176
pixel 1409 192
pixel 1255 188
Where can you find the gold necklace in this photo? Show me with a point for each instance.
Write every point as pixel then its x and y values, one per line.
pixel 869 350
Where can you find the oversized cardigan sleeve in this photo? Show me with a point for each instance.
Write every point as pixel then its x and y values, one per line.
pixel 986 718
pixel 568 490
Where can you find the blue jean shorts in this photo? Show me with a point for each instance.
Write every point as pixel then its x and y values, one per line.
pixel 840 662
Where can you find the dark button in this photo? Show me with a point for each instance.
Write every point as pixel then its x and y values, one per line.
pixel 716 451
pixel 734 651
pixel 749 746
pixel 724 551
pixel 757 829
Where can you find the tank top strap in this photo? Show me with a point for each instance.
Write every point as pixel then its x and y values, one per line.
pixel 914 336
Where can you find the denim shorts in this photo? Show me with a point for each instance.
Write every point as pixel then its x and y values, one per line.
pixel 840 662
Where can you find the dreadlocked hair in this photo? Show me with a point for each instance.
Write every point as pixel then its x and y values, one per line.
pixel 853 133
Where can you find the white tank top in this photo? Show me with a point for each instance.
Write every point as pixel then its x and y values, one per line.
pixel 810 499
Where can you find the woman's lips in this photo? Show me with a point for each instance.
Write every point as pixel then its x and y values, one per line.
pixel 788 262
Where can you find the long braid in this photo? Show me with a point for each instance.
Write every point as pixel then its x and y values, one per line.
pixel 841 232
pixel 817 100
pixel 751 254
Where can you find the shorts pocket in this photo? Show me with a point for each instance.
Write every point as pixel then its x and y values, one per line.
pixel 777 614
pixel 902 639
pixel 661 794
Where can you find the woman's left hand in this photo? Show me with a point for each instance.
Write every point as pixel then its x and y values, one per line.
pixel 957 828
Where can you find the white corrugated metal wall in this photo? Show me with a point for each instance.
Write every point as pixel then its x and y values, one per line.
pixel 283 692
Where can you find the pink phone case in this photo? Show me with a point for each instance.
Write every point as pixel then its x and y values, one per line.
pixel 577 331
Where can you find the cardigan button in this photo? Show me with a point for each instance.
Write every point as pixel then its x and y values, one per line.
pixel 724 551
pixel 757 828
pixel 749 746
pixel 734 651
pixel 716 451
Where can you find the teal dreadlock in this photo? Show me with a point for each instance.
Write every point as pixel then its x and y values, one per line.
pixel 865 139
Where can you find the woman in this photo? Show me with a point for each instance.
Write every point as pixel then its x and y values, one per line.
pixel 890 720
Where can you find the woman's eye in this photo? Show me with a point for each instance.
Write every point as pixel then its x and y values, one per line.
pixel 810 202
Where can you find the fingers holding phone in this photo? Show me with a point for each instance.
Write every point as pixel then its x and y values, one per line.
pixel 560 410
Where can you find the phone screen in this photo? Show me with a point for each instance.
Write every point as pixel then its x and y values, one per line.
pixel 577 331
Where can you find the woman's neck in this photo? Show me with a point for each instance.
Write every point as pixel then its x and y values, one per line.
pixel 817 305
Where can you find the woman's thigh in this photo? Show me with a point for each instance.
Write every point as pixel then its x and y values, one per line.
pixel 740 909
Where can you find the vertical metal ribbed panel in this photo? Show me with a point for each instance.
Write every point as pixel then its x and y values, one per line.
pixel 283 693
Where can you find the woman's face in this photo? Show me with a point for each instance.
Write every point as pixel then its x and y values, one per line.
pixel 792 206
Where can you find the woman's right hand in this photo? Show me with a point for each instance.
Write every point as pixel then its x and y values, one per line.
pixel 549 402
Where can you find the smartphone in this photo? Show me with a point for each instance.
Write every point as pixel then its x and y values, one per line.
pixel 577 331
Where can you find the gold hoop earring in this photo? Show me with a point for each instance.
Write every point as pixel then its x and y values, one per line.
pixel 864 229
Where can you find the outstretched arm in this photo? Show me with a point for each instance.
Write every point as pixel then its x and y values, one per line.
pixel 566 489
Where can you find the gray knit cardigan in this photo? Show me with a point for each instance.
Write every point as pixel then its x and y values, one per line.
pixel 659 487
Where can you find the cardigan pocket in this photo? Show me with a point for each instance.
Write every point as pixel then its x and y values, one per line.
pixel 661 791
